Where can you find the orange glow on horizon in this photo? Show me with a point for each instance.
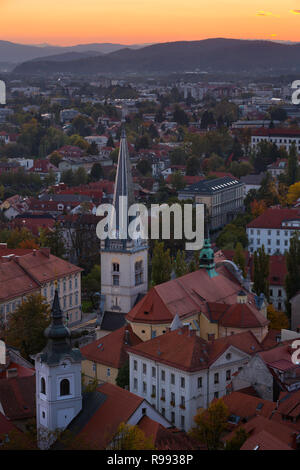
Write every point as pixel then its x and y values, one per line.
pixel 68 22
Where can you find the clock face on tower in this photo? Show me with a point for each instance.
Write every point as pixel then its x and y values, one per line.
pixel 65 363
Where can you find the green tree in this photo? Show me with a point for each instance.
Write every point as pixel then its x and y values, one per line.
pixel 192 166
pixel 96 172
pixel 180 265
pixel 261 272
pixel 210 425
pixel 26 326
pixel 239 258
pixel 122 379
pixel 91 282
pixel 177 181
pixel 54 240
pixel 161 264
pixel 144 167
pixel 194 263
pixel 292 167
pixel 238 439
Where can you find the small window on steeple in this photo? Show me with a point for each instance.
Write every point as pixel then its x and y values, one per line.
pixel 43 386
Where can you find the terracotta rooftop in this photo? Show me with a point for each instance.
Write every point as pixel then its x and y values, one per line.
pixel 240 315
pixel 184 350
pixel 186 296
pixel 274 217
pixel 25 273
pixel 264 440
pixel 247 406
pixel 17 397
pixel 111 349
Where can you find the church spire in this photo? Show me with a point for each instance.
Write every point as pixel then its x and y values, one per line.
pixel 123 193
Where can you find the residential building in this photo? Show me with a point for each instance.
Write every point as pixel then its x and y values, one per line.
pixel 24 272
pixel 180 373
pixel 281 137
pixel 273 229
pixel 103 358
pixel 223 199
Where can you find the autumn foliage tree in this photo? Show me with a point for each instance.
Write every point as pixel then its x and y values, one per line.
pixel 278 320
pixel 293 193
pixel 211 424
pixel 26 326
pixel 131 438
pixel 258 208
pixel 161 264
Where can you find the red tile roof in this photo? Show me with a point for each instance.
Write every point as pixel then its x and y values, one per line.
pixel 119 406
pixel 264 440
pixel 184 350
pixel 274 217
pixel 277 131
pixel 20 370
pixel 248 406
pixel 111 349
pixel 240 315
pixel 166 439
pixel 5 426
pixel 187 296
pixel 26 273
pixel 17 397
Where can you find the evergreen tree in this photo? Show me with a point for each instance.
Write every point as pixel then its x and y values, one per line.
pixel 110 141
pixel 292 167
pixel 122 379
pixel 194 264
pixel 96 172
pixel 161 264
pixel 292 280
pixel 261 272
pixel 239 258
pixel 180 266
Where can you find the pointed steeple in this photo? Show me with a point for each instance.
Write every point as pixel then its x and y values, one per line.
pixel 58 336
pixel 123 182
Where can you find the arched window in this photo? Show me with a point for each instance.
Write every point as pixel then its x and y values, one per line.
pixel 43 386
pixel 138 272
pixel 116 267
pixel 64 387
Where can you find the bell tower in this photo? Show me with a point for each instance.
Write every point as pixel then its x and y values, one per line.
pixel 58 379
pixel 124 261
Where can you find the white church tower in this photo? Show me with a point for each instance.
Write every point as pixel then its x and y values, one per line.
pixel 124 262
pixel 58 379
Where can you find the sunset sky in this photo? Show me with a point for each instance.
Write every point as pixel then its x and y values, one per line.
pixel 67 22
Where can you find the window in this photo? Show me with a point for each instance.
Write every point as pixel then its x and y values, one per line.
pixel 135 384
pixel 70 284
pixel 108 372
pixel 173 397
pixel 277 242
pixel 116 267
pixel 279 305
pixel 228 374
pixel 153 391
pixel 279 293
pixel 71 300
pixel 163 375
pixel 144 369
pixel 163 411
pixel 163 393
pixel 182 401
pixel 76 298
pixel 199 382
pixel 173 379
pixel 116 281
pixel 271 292
pixel 182 421
pixel 182 382
pixel 43 386
pixel 64 387
pixel 153 372
pixel 134 365
pixel 269 241
pixel 216 378
pixel 216 395
pixel 172 417
pixel 144 387
pixel 138 267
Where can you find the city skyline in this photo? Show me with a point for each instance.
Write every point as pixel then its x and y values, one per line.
pixel 71 22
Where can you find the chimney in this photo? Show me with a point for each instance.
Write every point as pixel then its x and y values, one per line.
pixel 11 373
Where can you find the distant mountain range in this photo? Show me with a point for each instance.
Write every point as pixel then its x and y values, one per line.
pixel 17 53
pixel 210 55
